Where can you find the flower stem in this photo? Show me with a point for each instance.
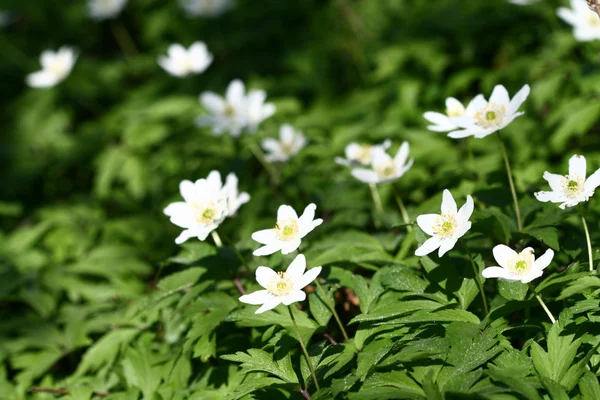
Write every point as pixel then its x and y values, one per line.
pixel 236 281
pixel 403 211
pixel 310 366
pixel 539 299
pixel 124 39
pixel 332 308
pixel 216 238
pixel 377 201
pixel 589 243
pixel 479 284
pixel 260 156
pixel 510 182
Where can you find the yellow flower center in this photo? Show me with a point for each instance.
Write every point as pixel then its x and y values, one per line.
pixel 386 169
pixel 363 154
pixel 228 111
pixel 445 225
pixel 287 229
pixel 205 213
pixel 280 285
pixel 521 263
pixel 573 185
pixel 490 116
pixel 593 20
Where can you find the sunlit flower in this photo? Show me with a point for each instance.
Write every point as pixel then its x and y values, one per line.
pixel 181 61
pixel 384 168
pixel 446 228
pixel 105 9
pixel 517 266
pixel 206 204
pixel 205 8
pixel 290 142
pixel 288 231
pixel 361 154
pixel 56 66
pixel 281 287
pixel 585 22
pixel 444 122
pixel 573 188
pixel 522 2
pixel 237 111
pixel 482 118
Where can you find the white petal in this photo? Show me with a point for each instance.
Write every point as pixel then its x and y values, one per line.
pixel 554 197
pixel 256 298
pixel 307 278
pixel 429 246
pixel 502 254
pixel 533 274
pixel 453 104
pixel 518 99
pixel 592 182
pixel 286 133
pixel 466 210
pixel 290 246
pixel 42 79
pixel 554 180
pixel 286 212
pixel 463 133
pixel 296 268
pixel 426 222
pixel 497 272
pixel 500 95
pixel 214 181
pixel 295 296
pixel 184 236
pixel 235 91
pixel 271 145
pixel 365 175
pixel 188 191
pixel 342 161
pixel 402 154
pixel 462 229
pixel 567 15
pixel 268 249
pixel 178 207
pixel 273 302
pixel 446 245
pixel 264 275
pixel 475 104
pixel 577 166
pixel 212 102
pixel 544 260
pixel 448 203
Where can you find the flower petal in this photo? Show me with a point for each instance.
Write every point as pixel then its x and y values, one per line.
pixel 212 102
pixel 466 210
pixel 307 278
pixel 577 166
pixel 500 95
pixel 426 222
pixel 290 246
pixel 42 79
pixel 446 245
pixel 533 274
pixel 365 175
pixel 554 180
pixel 448 203
pixel 186 188
pixel 592 182
pixel 268 249
pixel 554 197
pixel 273 302
pixel 497 272
pixel 286 212
pixel 544 260
pixel 265 236
pixel 256 298
pixel 429 246
pixel 184 236
pixel 502 254
pixel 295 296
pixel 296 268
pixel 402 154
pixel 518 99
pixel 264 275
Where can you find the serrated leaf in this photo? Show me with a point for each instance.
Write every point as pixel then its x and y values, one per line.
pixel 259 360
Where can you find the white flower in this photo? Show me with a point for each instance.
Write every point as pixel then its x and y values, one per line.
pixel 573 188
pixel 585 22
pixel 482 118
pixel 444 122
pixel 517 266
pixel 522 2
pixel 236 111
pixel 207 203
pixel 290 142
pixel 288 231
pixel 105 9
pixel 384 168
pixel 205 8
pixel 181 62
pixel 56 66
pixel 361 154
pixel 446 228
pixel 281 287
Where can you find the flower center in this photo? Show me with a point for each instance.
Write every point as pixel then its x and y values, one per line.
pixel 287 148
pixel 228 111
pixel 490 116
pixel 386 169
pixel 521 264
pixel 205 213
pixel 573 185
pixel 445 225
pixel 363 154
pixel 280 285
pixel 593 20
pixel 286 230
pixel 57 68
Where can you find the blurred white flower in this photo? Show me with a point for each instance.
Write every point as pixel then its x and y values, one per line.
pixel 236 111
pixel 290 142
pixel 181 62
pixel 288 231
pixel 361 154
pixel 4 18
pixel 205 8
pixel 523 2
pixel 444 122
pixel 573 188
pixel 105 9
pixel 585 22
pixel 384 168
pixel 281 287
pixel 482 118
pixel 446 228
pixel 206 204
pixel 517 266
pixel 56 66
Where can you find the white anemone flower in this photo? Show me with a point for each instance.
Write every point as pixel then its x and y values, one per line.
pixel 281 287
pixel 384 168
pixel 227 114
pixel 573 188
pixel 515 266
pixel 105 9
pixel 56 66
pixel 256 110
pixel 206 204
pixel 205 8
pixel 361 154
pixel 483 118
pixel 288 231
pixel 585 22
pixel 444 122
pixel 290 142
pixel 181 62
pixel 446 228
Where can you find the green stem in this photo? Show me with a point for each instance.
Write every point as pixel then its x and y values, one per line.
pixel 589 243
pixel 260 156
pixel 332 308
pixel 237 253
pixel 217 239
pixel 403 211
pixel 510 182
pixel 377 201
pixel 479 284
pixel 539 299
pixel 310 366
pixel 234 278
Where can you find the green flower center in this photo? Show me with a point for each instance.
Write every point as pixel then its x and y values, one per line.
pixel 228 111
pixel 490 116
pixel 205 213
pixel 445 225
pixel 286 230
pixel 520 266
pixel 573 185
pixel 280 285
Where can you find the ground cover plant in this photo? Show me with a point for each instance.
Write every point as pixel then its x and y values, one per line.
pixel 310 199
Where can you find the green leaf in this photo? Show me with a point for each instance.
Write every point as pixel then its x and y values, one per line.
pixel 259 360
pixel 389 385
pixel 105 350
pixel 181 279
pixel 512 290
pixel 140 373
pixel 589 386
pixel 318 309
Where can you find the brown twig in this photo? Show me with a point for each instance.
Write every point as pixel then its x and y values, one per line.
pixel 37 389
